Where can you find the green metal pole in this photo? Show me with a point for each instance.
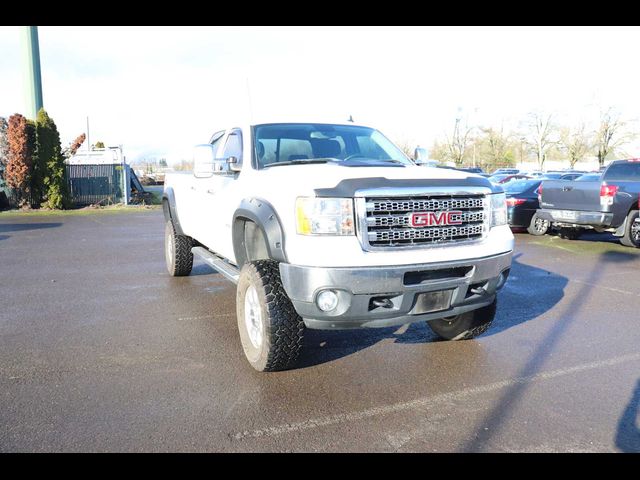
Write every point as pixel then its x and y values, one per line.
pixel 33 79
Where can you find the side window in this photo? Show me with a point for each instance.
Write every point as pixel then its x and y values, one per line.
pixel 216 138
pixel 233 147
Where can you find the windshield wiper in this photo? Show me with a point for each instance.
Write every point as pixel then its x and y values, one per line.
pixel 366 160
pixel 302 161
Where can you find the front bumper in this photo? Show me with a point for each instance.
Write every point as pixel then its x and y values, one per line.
pixel 576 217
pixel 396 286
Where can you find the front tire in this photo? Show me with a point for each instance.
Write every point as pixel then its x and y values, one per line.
pixel 466 325
pixel 177 252
pixel 271 331
pixel 538 226
pixel 631 237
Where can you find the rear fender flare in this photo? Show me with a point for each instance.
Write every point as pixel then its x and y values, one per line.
pixel 169 209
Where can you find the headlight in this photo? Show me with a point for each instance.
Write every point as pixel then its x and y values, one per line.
pixel 498 209
pixel 324 216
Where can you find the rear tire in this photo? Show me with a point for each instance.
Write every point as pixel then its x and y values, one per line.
pixel 177 252
pixel 631 237
pixel 271 331
pixel 466 325
pixel 538 226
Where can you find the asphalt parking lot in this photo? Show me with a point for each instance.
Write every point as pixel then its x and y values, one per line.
pixel 101 350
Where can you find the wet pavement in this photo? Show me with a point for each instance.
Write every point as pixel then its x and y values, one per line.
pixel 101 350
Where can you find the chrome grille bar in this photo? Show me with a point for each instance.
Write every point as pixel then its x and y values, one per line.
pixel 386 221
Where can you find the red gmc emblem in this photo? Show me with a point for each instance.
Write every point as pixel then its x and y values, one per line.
pixel 430 219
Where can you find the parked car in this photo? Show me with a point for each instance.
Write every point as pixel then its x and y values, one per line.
pixel 588 177
pixel 506 178
pixel 551 176
pixel 522 203
pixel 331 226
pixel 533 174
pixel 501 171
pixel 607 203
pixel 570 176
pixel 476 170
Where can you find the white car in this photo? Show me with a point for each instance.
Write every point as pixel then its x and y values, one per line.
pixel 331 226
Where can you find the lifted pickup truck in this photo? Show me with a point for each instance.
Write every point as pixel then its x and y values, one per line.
pixel 610 203
pixel 331 226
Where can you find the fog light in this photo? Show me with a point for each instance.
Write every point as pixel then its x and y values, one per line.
pixel 327 300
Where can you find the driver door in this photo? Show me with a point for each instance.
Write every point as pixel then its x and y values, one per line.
pixel 215 195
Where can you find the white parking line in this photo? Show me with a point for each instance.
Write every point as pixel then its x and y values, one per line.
pixel 604 287
pixel 426 401
pixel 205 317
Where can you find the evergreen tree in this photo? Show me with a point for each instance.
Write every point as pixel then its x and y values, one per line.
pixel 49 155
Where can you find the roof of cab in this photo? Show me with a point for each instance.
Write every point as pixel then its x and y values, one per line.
pixel 315 121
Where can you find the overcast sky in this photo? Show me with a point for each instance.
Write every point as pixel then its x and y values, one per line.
pixel 158 90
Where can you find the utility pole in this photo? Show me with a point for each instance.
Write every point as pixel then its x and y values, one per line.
pixel 33 79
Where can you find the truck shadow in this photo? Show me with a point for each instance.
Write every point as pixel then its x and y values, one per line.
pixel 503 408
pixel 628 432
pixel 591 236
pixel 18 227
pixel 529 293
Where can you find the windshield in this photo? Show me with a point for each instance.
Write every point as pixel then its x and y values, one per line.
pixel 520 186
pixel 288 143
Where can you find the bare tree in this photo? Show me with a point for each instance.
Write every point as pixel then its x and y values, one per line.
pixel 184 165
pixel 576 142
pixel 497 146
pixel 439 151
pixel 540 135
pixel 406 147
pixel 458 143
pixel 610 135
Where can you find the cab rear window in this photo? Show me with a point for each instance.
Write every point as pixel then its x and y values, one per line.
pixel 624 171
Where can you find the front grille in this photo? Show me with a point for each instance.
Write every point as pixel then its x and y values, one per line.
pixel 387 220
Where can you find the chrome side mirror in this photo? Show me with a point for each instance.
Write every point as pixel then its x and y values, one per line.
pixel 420 154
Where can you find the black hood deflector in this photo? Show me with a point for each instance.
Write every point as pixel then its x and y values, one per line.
pixel 347 188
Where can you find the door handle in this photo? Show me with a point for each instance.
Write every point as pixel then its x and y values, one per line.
pixel 211 191
pixel 567 189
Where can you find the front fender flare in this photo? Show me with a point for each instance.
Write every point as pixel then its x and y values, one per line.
pixel 264 216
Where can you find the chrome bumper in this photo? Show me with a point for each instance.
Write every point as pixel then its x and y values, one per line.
pixel 576 217
pixel 398 287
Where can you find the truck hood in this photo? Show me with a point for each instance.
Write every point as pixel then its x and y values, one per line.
pixel 331 179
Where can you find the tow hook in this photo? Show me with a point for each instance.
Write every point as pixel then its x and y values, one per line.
pixel 382 302
pixel 478 290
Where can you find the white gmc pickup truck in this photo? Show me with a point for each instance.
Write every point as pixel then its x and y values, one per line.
pixel 331 226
